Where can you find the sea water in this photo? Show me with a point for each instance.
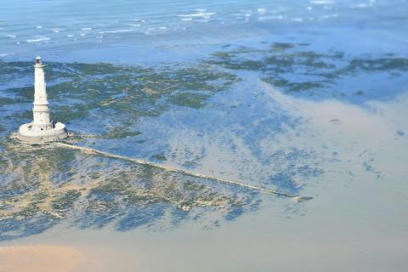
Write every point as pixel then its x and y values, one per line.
pixel 306 98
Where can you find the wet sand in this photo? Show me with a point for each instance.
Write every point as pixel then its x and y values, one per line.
pixel 40 258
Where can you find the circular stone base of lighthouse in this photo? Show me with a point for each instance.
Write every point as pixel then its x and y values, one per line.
pixel 32 133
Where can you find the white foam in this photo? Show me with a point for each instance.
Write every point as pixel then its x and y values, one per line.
pixel 38 27
pixel 322 2
pixel 297 19
pixel 329 16
pixel 261 10
pixel 86 28
pixel 274 17
pixel 116 31
pixel 369 4
pixel 39 39
pixel 156 30
pixel 360 5
pixel 243 14
pixel 201 14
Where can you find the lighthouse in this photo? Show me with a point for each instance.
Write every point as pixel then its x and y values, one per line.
pixel 42 128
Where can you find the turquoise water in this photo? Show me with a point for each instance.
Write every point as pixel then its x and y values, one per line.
pixel 289 96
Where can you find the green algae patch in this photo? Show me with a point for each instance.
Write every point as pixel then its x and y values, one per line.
pixel 380 64
pixel 119 133
pixel 65 201
pixel 159 157
pixel 45 185
pixel 294 86
pixel 294 68
pixel 191 186
pixel 282 46
pixel 121 94
pixel 192 100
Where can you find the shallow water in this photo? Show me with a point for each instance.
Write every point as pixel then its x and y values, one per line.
pixel 305 98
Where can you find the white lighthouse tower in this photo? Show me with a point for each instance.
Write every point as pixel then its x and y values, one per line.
pixel 42 128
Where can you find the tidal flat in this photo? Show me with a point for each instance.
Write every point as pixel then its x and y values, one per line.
pixel 305 99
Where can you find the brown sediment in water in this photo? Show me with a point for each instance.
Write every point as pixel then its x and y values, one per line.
pixel 43 258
